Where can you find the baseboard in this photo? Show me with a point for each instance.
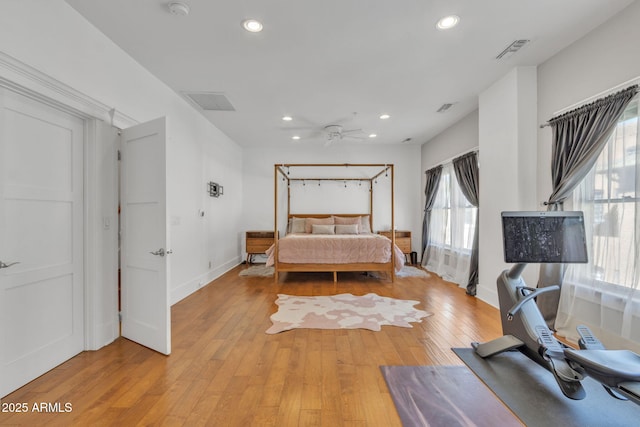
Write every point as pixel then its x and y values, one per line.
pixel 184 290
pixel 490 296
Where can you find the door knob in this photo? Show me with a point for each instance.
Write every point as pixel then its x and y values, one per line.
pixel 159 252
pixel 5 265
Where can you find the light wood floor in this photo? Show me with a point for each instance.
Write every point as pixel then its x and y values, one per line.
pixel 225 371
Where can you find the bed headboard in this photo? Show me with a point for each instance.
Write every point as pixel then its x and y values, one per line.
pixel 284 175
pixel 332 214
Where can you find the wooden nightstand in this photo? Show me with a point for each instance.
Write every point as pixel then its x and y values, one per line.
pixel 257 242
pixel 403 240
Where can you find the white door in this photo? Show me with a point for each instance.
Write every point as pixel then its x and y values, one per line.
pixel 41 239
pixel 146 315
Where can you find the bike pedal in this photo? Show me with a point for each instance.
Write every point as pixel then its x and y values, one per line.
pixel 551 345
pixel 588 341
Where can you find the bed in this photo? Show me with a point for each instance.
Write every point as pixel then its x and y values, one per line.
pixel 338 244
pixel 332 242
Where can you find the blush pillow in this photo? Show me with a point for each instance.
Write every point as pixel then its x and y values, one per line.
pixel 308 223
pixel 346 220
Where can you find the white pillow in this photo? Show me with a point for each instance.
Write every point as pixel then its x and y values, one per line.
pixel 322 229
pixel 347 229
pixel 297 225
pixel 365 226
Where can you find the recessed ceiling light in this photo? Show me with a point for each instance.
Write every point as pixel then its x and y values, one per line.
pixel 252 25
pixel 448 22
pixel 373 135
pixel 385 116
pixel 287 118
pixel 295 137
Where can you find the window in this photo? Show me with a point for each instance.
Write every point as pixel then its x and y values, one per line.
pixel 452 214
pixel 452 226
pixel 609 198
pixel 603 294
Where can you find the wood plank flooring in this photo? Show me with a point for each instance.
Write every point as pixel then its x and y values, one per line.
pixel 225 371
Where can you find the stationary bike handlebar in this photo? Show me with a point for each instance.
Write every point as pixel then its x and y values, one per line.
pixel 514 310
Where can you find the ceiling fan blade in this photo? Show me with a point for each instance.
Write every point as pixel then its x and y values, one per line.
pixel 352 131
pixel 345 119
pixel 298 127
pixel 315 134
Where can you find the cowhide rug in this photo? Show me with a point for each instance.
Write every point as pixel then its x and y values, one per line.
pixel 344 311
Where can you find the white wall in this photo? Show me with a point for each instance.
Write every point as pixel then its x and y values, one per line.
pixel 51 37
pixel 503 130
pixel 507 125
pixel 458 139
pixel 259 196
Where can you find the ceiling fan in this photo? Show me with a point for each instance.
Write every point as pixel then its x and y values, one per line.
pixel 336 133
pixel 333 132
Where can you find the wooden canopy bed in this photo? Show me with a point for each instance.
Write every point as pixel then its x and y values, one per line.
pixel 310 240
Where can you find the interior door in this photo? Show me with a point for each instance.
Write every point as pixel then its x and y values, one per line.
pixel 146 315
pixel 41 239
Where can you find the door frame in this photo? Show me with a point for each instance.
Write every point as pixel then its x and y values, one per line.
pixel 101 323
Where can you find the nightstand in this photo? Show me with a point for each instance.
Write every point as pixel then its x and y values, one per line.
pixel 403 240
pixel 257 242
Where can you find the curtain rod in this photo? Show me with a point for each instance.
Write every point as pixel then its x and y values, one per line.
pixel 450 159
pixel 610 91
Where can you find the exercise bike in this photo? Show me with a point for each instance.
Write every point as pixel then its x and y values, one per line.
pixel 548 237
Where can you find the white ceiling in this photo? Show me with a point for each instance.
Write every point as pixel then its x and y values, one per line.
pixel 340 61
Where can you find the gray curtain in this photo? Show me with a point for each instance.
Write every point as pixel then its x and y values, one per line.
pixel 430 190
pixel 467 174
pixel 578 138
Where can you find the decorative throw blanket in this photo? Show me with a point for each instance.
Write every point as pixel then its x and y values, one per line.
pixel 335 249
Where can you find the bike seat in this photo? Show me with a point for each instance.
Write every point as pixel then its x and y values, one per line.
pixel 611 367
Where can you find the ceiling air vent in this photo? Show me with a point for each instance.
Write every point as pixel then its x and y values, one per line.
pixel 444 107
pixel 512 48
pixel 210 101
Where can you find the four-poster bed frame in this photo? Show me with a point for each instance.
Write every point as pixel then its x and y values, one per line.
pixel 279 172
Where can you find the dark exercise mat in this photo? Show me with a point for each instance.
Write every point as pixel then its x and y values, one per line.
pixel 532 393
pixel 444 396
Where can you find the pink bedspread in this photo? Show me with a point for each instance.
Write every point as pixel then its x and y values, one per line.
pixel 335 249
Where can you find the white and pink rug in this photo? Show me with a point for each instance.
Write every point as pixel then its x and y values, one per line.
pixel 344 311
